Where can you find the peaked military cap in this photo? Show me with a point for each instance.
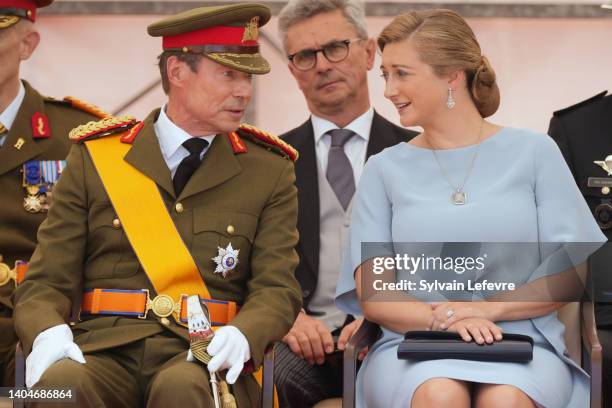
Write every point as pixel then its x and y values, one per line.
pixel 12 10
pixel 225 34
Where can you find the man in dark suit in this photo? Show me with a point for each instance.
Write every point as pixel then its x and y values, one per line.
pixel 329 54
pixel 584 134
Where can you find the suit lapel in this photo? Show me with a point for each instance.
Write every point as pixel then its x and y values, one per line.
pixel 146 156
pixel 219 165
pixel 382 135
pixel 11 156
pixel 306 173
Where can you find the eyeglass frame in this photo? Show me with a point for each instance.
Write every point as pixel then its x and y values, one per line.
pixel 321 50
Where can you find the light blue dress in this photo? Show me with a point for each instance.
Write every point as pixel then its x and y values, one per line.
pixel 520 190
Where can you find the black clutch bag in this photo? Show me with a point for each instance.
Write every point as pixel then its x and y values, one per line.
pixel 436 345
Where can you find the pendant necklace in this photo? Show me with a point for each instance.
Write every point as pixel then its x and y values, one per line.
pixel 458 196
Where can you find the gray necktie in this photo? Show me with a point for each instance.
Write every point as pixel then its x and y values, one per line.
pixel 339 169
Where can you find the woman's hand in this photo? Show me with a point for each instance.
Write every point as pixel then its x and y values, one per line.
pixel 476 328
pixel 444 314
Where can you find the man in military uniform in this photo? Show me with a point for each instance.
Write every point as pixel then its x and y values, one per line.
pixel 584 134
pixel 33 145
pixel 186 202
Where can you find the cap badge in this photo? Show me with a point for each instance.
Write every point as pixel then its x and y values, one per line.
pixel 251 30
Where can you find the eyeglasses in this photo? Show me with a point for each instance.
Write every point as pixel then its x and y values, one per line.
pixel 334 52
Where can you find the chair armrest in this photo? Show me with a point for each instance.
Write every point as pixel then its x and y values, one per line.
pixel 592 358
pixel 367 335
pixel 267 386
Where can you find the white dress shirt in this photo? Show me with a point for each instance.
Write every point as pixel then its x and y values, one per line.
pixel 171 139
pixel 10 113
pixel 355 148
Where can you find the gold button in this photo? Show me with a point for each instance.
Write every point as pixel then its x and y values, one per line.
pixel 230 229
pixel 605 190
pixel 179 208
pixel 164 321
pixel 116 223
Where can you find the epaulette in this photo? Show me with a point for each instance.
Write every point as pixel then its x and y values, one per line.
pixel 104 127
pixel 87 107
pixel 268 140
pixel 579 104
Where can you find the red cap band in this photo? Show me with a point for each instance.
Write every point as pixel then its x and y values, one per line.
pixel 29 5
pixel 219 35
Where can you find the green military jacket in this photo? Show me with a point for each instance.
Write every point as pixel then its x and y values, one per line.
pixel 79 247
pixel 17 226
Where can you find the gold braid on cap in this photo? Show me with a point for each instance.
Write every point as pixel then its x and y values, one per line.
pixel 7 21
pixel 87 107
pixel 262 136
pixel 105 127
pixel 222 57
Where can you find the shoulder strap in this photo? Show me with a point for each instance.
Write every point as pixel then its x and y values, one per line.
pixel 268 140
pixel 86 107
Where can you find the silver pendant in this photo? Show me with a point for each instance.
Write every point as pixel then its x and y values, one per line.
pixel 459 198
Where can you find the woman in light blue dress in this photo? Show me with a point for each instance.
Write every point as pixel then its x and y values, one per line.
pixel 462 180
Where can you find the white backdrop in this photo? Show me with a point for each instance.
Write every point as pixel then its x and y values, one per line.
pixel 542 65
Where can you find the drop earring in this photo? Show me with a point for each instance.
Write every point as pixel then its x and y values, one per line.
pixel 450 101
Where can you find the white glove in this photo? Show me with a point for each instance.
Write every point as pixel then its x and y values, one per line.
pixel 229 350
pixel 51 345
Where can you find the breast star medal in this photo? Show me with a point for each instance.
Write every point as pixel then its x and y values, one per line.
pixel 226 260
pixel 605 164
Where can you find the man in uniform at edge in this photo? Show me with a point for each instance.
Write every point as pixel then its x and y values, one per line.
pixel 582 132
pixel 235 213
pixel 33 137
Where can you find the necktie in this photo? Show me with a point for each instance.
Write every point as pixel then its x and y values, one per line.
pixel 189 164
pixel 3 132
pixel 339 169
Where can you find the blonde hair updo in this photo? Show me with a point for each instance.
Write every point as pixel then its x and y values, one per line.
pixel 446 42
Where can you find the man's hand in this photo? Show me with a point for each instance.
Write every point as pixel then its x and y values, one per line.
pixel 51 345
pixel 310 339
pixel 229 350
pixel 347 332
